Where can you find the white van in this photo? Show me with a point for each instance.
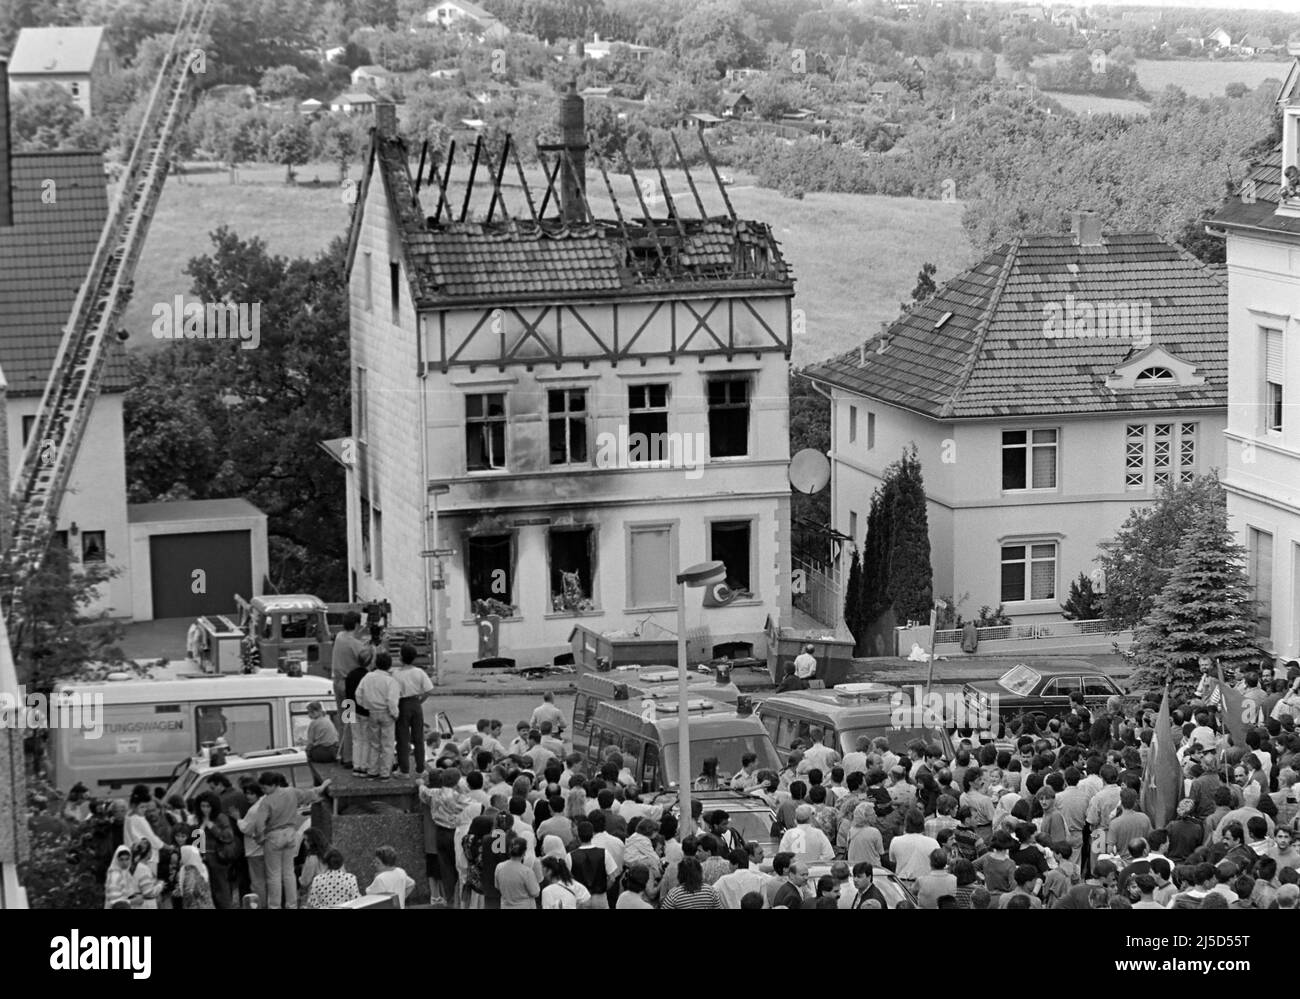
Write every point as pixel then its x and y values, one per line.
pixel 149 726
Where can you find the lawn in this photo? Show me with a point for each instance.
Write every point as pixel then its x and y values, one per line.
pixel 1095 104
pixel 854 257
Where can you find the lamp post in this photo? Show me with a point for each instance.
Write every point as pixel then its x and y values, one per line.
pixel 704 574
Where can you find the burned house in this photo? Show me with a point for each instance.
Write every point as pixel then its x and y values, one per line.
pixel 554 411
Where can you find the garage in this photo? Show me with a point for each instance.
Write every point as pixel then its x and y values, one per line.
pixel 225 560
pixel 190 557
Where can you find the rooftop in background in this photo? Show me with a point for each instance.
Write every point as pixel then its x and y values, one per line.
pixel 186 510
pixel 43 261
pixel 55 50
pixel 474 247
pixel 978 348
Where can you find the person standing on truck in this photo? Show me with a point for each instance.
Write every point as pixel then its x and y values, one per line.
pixel 322 736
pixel 414 688
pixel 805 664
pixel 378 693
pixel 349 653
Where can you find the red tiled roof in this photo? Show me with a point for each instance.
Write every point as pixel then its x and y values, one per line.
pixel 513 261
pixel 992 357
pixel 43 260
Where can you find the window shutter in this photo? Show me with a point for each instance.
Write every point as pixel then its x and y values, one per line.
pixel 1273 356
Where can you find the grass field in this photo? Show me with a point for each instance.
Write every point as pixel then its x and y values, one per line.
pixel 1094 104
pixel 854 257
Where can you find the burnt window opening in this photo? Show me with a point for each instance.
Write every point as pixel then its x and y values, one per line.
pixel 647 422
pixel 28 423
pixel 567 410
pixel 489 560
pixel 728 417
pixel 485 432
pixel 573 568
pixel 395 290
pixel 365 535
pixel 729 543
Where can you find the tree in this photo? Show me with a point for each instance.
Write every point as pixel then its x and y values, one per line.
pixel 1138 560
pixel 1019 53
pixel 282 81
pixel 1082 604
pixel 1204 609
pixel 58 638
pixel 911 578
pixel 854 617
pixel 291 145
pixel 925 286
pixel 43 117
pixel 875 555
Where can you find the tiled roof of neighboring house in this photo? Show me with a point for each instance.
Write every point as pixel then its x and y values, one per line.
pixel 355 97
pixel 44 257
pixel 991 357
pixel 372 70
pixel 473 10
pixel 206 510
pixel 514 261
pixel 55 50
pixel 1255 204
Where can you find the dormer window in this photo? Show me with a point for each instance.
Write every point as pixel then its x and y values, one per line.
pixel 1154 376
pixel 1288 201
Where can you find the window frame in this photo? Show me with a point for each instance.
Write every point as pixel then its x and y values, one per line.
pixel 567 417
pixel 467 540
pixel 1263 607
pixel 729 406
pixel 647 411
pixel 1028 561
pixel 103 547
pixel 752 570
pixel 647 527
pixel 1028 447
pixel 490 422
pixel 593 561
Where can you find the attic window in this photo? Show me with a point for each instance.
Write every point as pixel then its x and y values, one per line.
pixel 1154 376
pixel 1289 192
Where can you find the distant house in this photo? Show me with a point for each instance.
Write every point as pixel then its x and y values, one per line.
pixel 311 106
pixel 598 93
pixel 1066 19
pixel 240 94
pixel 444 74
pixel 1220 38
pixel 371 76
pixel 462 16
pixel 601 48
pixel 77 59
pixel 736 105
pixel 1028 15
pixel 886 90
pixel 354 102
pixel 703 119
pixel 1255 44
pixel 335 54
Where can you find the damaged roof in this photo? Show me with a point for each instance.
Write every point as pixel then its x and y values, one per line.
pixel 979 347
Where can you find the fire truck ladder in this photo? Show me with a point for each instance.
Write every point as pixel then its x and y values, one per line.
pixel 74 381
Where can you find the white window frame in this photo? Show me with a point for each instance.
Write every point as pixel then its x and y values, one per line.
pixel 568 416
pixel 1261 583
pixel 1029 447
pixel 1028 561
pixel 871 431
pixel 1273 383
pixel 853 424
pixel 1153 459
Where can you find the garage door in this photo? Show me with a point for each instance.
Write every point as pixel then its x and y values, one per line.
pixel 225 559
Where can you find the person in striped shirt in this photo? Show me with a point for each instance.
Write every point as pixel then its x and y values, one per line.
pixel 691 891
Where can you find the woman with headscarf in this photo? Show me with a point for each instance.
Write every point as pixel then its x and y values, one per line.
pixel 477 839
pixel 194 890
pixel 121 890
pixel 142 862
pixel 865 844
pixel 552 846
pixel 136 827
pixel 169 868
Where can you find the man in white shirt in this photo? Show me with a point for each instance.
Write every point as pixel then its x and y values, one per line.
pixel 910 852
pixel 742 880
pixel 413 688
pixel 856 762
pixel 808 843
pixel 612 845
pixel 805 664
pixel 818 756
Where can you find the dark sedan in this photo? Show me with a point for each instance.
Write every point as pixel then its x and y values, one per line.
pixel 1043 688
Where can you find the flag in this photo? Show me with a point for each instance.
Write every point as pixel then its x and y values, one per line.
pixel 1162 777
pixel 719 595
pixel 1233 710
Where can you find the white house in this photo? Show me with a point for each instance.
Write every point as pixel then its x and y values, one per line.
pixel 1220 38
pixel 600 48
pixel 460 15
pixel 560 418
pixel 1262 229
pixel 77 59
pixel 375 77
pixel 354 102
pixel 1049 390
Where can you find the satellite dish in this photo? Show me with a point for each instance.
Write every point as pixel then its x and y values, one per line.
pixel 810 471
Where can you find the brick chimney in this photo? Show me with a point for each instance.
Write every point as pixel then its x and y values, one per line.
pixel 6 168
pixel 573 131
pixel 1086 227
pixel 386 120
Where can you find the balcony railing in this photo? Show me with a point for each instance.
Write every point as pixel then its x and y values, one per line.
pixel 1023 632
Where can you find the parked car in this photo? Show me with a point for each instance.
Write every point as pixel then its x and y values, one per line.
pixel 1043 688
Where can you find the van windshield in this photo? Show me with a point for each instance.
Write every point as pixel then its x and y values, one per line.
pixel 728 752
pixel 898 738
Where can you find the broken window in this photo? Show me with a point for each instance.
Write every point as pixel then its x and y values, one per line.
pixel 573 568
pixel 728 417
pixel 365 535
pixel 485 432
pixel 568 421
pixel 729 543
pixel 647 419
pixel 395 290
pixel 489 560
pixel 377 532
pixel 92 546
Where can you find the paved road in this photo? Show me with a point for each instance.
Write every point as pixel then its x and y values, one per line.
pixel 510 709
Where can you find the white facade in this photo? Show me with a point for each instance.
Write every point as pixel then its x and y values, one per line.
pixel 1263 438
pixel 95 500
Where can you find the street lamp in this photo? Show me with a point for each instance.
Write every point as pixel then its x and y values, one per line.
pixel 704 574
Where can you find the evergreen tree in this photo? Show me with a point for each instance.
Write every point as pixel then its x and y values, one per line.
pixel 875 557
pixel 855 618
pixel 1083 603
pixel 1204 609
pixel 910 585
